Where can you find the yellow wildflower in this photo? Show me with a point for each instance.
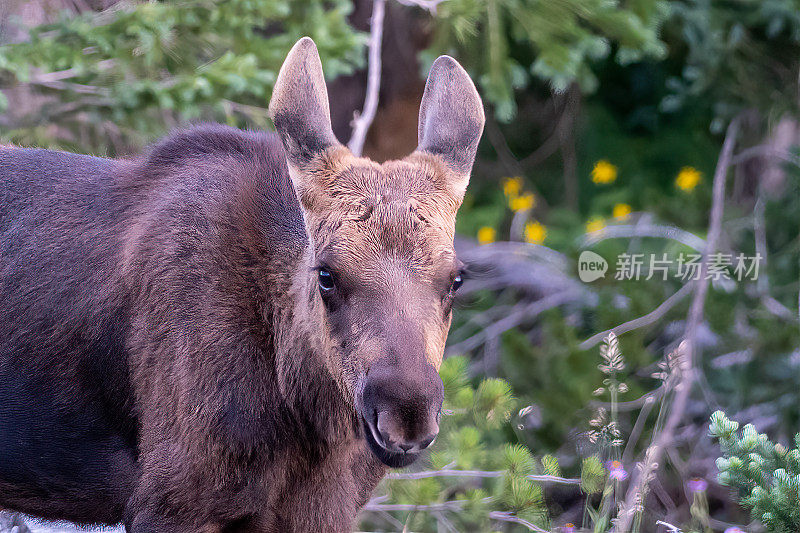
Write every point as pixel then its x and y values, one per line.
pixel 621 211
pixel 486 235
pixel 604 172
pixel 535 232
pixel 595 224
pixel 522 203
pixel 688 178
pixel 512 186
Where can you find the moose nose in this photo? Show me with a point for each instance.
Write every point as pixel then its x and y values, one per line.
pixel 398 439
pixel 400 405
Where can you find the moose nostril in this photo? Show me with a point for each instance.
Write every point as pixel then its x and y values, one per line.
pixel 418 446
pixel 427 442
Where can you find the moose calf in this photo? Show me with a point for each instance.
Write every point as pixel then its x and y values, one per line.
pixel 239 331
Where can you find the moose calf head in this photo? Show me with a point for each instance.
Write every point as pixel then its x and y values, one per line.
pixel 382 270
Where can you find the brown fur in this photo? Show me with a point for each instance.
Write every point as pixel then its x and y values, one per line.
pixel 170 357
pixel 202 264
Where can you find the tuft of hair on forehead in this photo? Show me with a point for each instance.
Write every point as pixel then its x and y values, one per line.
pixel 352 188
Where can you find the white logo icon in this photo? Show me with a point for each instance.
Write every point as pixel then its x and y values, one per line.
pixel 591 266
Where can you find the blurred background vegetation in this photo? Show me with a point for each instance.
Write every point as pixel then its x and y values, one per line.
pixel 605 121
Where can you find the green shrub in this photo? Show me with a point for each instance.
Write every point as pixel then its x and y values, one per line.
pixel 765 475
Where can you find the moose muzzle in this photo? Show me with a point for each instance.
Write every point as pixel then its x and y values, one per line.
pixel 400 408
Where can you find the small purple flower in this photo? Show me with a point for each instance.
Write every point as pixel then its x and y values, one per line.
pixel 734 529
pixel 569 527
pixel 619 474
pixel 697 484
pixel 616 471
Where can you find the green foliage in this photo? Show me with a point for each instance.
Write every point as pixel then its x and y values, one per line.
pixel 506 43
pixel 655 73
pixel 593 475
pixel 550 466
pixel 481 476
pixel 125 75
pixel 741 54
pixel 497 471
pixel 471 438
pixel 493 403
pixel 766 475
pixel 738 55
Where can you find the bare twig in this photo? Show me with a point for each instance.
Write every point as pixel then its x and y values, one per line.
pixel 479 474
pixel 430 5
pixel 552 143
pixel 632 405
pixel 508 517
pixel 517 230
pixel 670 527
pixel 60 75
pixel 764 151
pixel 645 230
pixel 251 111
pixel 638 427
pixel 487 252
pixel 637 489
pixel 481 319
pixel 444 523
pixel 760 232
pixel 453 505
pixel 512 320
pixel 500 145
pixel 651 317
pixel 69 86
pixel 362 122
pixel 661 493
pixel 568 152
pixel 778 309
pixel 509 161
pixel 715 229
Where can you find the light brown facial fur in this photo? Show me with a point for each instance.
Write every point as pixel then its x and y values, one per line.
pixel 381 269
pixel 386 234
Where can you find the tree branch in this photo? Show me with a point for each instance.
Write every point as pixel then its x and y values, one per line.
pixel 651 317
pixel 512 320
pixel 638 487
pixel 60 75
pixel 363 121
pixel 508 517
pixel 645 230
pixel 430 5
pixel 479 474
pixel 764 151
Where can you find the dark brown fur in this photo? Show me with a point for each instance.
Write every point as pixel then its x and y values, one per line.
pixel 167 358
pixel 195 247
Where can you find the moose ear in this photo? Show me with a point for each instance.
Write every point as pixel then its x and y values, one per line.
pixel 451 117
pixel 299 105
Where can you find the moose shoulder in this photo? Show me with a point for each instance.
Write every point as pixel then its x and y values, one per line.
pixel 239 331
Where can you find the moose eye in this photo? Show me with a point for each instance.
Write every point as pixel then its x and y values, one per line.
pixel 458 281
pixel 325 280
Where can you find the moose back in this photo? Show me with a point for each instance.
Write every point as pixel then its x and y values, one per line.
pixel 238 331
